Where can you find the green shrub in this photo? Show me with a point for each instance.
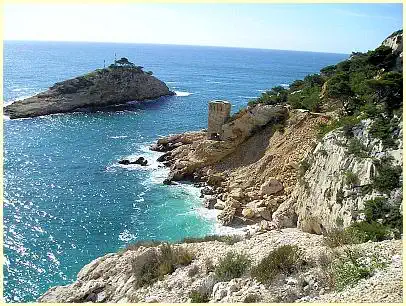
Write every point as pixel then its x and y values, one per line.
pixel 328 71
pixel 351 178
pixel 350 268
pixel 228 239
pixel 383 128
pixel 357 232
pixel 340 196
pixel 356 148
pixel 387 177
pixel 252 298
pixel 371 231
pixel 338 87
pixel 197 297
pixel 296 85
pixel 285 259
pixel 340 237
pixel 347 122
pixel 232 266
pixel 155 265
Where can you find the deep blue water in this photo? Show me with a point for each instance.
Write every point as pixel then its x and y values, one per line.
pixel 66 200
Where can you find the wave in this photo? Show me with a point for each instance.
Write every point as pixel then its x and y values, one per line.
pixel 284 85
pixel 118 137
pixel 248 97
pixel 182 93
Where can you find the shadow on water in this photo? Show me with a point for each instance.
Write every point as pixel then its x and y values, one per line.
pixel 129 106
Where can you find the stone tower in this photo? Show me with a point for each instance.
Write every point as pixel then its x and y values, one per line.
pixel 219 112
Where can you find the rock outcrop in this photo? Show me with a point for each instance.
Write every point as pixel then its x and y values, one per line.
pixel 395 41
pixel 111 278
pixel 332 192
pixel 101 88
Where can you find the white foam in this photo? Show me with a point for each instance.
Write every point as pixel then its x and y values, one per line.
pixel 284 85
pixel 248 97
pixel 118 137
pixel 126 236
pixel 182 93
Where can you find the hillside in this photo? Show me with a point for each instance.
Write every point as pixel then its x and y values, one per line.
pixel 313 172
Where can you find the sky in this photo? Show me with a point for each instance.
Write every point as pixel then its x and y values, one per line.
pixel 336 28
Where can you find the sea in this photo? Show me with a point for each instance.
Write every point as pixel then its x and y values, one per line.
pixel 66 199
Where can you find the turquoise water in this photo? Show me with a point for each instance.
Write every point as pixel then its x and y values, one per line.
pixel 66 200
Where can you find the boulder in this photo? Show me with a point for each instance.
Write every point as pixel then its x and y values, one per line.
pixel 264 213
pixel 271 186
pixel 226 216
pixel 219 205
pixel 209 202
pixel 248 212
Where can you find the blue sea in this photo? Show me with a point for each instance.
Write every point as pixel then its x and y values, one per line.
pixel 66 199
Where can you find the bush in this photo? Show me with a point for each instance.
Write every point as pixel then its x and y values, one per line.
pixel 197 297
pixel 350 268
pixel 347 122
pixel 371 231
pixel 383 128
pixel 340 237
pixel 338 87
pixel 285 259
pixel 356 148
pixel 151 266
pixel 252 298
pixel 358 232
pixel 351 178
pixel 340 196
pixel 228 239
pixel 231 266
pixel 387 177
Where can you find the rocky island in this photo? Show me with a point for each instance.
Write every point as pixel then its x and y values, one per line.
pixel 313 172
pixel 120 83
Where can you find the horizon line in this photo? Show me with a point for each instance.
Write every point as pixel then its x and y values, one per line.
pixel 167 44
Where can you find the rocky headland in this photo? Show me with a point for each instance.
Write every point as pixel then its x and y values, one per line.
pixel 312 172
pixel 117 84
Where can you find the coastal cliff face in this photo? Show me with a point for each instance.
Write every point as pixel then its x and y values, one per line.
pixel 339 181
pixel 317 167
pixel 395 41
pixel 103 87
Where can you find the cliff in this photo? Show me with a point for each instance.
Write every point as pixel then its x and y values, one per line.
pixel 314 175
pixel 103 87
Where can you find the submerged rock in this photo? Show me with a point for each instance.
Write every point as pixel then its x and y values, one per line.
pixel 100 88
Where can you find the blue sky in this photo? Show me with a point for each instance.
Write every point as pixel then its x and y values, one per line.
pixel 339 28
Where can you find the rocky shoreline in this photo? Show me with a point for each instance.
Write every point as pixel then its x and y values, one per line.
pixel 320 194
